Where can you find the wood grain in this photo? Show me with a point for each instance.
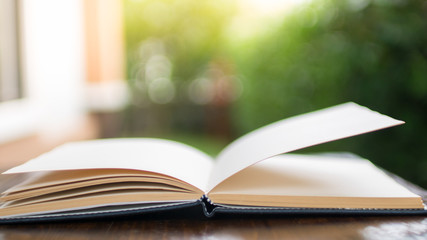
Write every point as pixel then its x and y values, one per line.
pixel 229 228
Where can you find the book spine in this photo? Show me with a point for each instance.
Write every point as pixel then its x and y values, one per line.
pixel 208 206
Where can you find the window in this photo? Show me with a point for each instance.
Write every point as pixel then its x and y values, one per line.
pixel 41 67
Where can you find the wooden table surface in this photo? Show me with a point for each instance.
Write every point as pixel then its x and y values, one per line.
pixel 194 225
pixel 414 227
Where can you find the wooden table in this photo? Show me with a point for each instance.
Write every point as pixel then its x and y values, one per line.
pixel 227 228
pixel 194 225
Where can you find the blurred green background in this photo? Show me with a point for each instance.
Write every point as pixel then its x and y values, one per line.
pixel 206 72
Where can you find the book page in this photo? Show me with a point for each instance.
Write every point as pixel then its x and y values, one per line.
pixel 295 133
pixel 296 180
pixel 154 155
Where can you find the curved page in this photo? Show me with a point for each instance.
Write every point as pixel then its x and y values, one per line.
pixel 314 181
pixel 295 133
pixel 155 155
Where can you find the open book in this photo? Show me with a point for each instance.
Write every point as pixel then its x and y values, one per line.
pixel 113 176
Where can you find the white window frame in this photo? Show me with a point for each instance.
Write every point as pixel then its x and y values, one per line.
pixel 53 71
pixel 10 86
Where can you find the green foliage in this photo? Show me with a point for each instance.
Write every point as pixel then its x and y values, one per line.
pixel 370 52
pixel 191 31
pixel 169 45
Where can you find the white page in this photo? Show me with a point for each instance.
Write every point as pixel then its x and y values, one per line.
pixel 294 133
pixel 155 155
pixel 314 175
